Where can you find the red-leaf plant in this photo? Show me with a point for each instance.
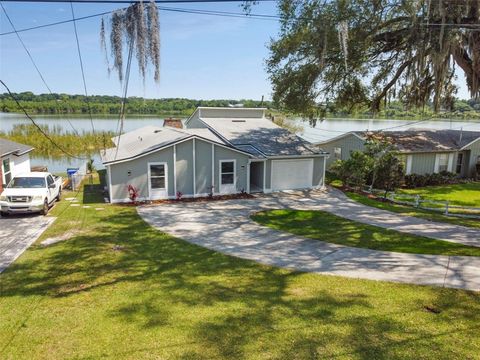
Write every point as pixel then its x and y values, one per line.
pixel 133 193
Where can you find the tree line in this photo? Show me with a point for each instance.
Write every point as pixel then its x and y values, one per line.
pixel 104 104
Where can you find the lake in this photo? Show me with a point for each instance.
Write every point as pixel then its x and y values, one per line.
pixel 324 130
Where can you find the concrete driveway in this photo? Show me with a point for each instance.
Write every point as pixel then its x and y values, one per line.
pixel 17 233
pixel 225 226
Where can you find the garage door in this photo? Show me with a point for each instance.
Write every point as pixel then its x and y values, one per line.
pixel 292 174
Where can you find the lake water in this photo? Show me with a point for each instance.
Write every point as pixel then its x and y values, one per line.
pixel 323 131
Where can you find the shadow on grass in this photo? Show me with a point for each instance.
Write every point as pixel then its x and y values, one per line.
pixel 263 309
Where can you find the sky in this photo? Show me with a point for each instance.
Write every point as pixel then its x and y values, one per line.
pixel 202 56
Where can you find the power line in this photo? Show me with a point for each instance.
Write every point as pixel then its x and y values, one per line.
pixel 81 67
pixel 32 60
pixel 168 9
pixel 136 1
pixel 39 128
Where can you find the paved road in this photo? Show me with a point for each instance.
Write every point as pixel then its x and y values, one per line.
pixel 225 226
pixel 17 233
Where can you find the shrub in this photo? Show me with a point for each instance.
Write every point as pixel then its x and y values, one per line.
pixel 443 178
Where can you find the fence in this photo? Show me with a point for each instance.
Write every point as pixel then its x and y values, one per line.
pixel 420 203
pixel 77 178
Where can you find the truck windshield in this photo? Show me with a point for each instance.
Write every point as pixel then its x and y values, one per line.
pixel 27 182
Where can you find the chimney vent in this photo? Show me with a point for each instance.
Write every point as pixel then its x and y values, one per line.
pixel 173 122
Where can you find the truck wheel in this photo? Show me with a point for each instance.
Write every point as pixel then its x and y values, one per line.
pixel 45 208
pixel 59 196
pixel 4 213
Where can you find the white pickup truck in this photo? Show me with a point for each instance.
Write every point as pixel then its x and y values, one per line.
pixel 30 192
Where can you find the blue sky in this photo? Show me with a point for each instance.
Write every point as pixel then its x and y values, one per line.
pixel 202 57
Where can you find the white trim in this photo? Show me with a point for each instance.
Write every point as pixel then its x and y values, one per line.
pixel 470 143
pixel 408 164
pixel 290 157
pixel 110 189
pixel 213 169
pixel 248 176
pixel 265 175
pixel 175 143
pixel 341 136
pixel 324 171
pixel 149 182
pixel 194 170
pixel 450 162
pixel 175 169
pixel 234 176
pixel 437 163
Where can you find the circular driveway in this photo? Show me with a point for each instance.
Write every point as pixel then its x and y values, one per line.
pixel 225 226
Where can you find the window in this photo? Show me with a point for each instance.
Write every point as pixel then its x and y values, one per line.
pixel 337 153
pixel 442 162
pixel 7 174
pixel 50 180
pixel 157 176
pixel 458 169
pixel 227 172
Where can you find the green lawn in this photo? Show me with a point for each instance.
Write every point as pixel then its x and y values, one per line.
pixel 458 194
pixel 118 289
pixel 411 211
pixel 321 225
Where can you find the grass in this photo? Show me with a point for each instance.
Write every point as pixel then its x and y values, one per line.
pixel 457 194
pixel 321 225
pixel 118 289
pixel 411 211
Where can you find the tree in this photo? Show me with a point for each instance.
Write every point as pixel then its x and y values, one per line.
pixel 138 27
pixel 365 52
pixel 353 171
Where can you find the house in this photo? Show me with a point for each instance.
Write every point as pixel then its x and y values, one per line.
pixel 424 151
pixel 218 151
pixel 14 158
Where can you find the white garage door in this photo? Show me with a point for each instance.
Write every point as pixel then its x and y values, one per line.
pixel 292 174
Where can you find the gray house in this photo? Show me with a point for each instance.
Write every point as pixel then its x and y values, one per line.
pixel 219 151
pixel 424 151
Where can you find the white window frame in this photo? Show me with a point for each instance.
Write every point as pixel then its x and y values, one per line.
pixel 160 193
pixel 339 151
pixel 4 173
pixel 445 155
pixel 227 188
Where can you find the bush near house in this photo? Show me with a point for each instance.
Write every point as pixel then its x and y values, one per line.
pixel 443 178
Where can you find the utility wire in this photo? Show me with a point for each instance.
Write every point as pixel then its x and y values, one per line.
pixel 39 128
pixel 81 68
pixel 252 16
pixel 32 60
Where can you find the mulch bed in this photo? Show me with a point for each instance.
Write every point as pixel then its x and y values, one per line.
pixel 197 199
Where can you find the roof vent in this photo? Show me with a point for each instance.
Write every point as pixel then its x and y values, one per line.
pixel 239 120
pixel 157 131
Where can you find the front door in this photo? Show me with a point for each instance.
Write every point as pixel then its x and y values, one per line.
pixel 228 181
pixel 157 180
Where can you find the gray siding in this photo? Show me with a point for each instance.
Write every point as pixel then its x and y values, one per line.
pixel 268 174
pixel 473 154
pixel 194 122
pixel 138 168
pixel 231 112
pixel 318 164
pixel 184 167
pixel 203 165
pixel 222 153
pixel 423 163
pixel 348 144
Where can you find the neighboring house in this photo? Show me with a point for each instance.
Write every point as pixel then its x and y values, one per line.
pixel 424 151
pixel 219 151
pixel 14 159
